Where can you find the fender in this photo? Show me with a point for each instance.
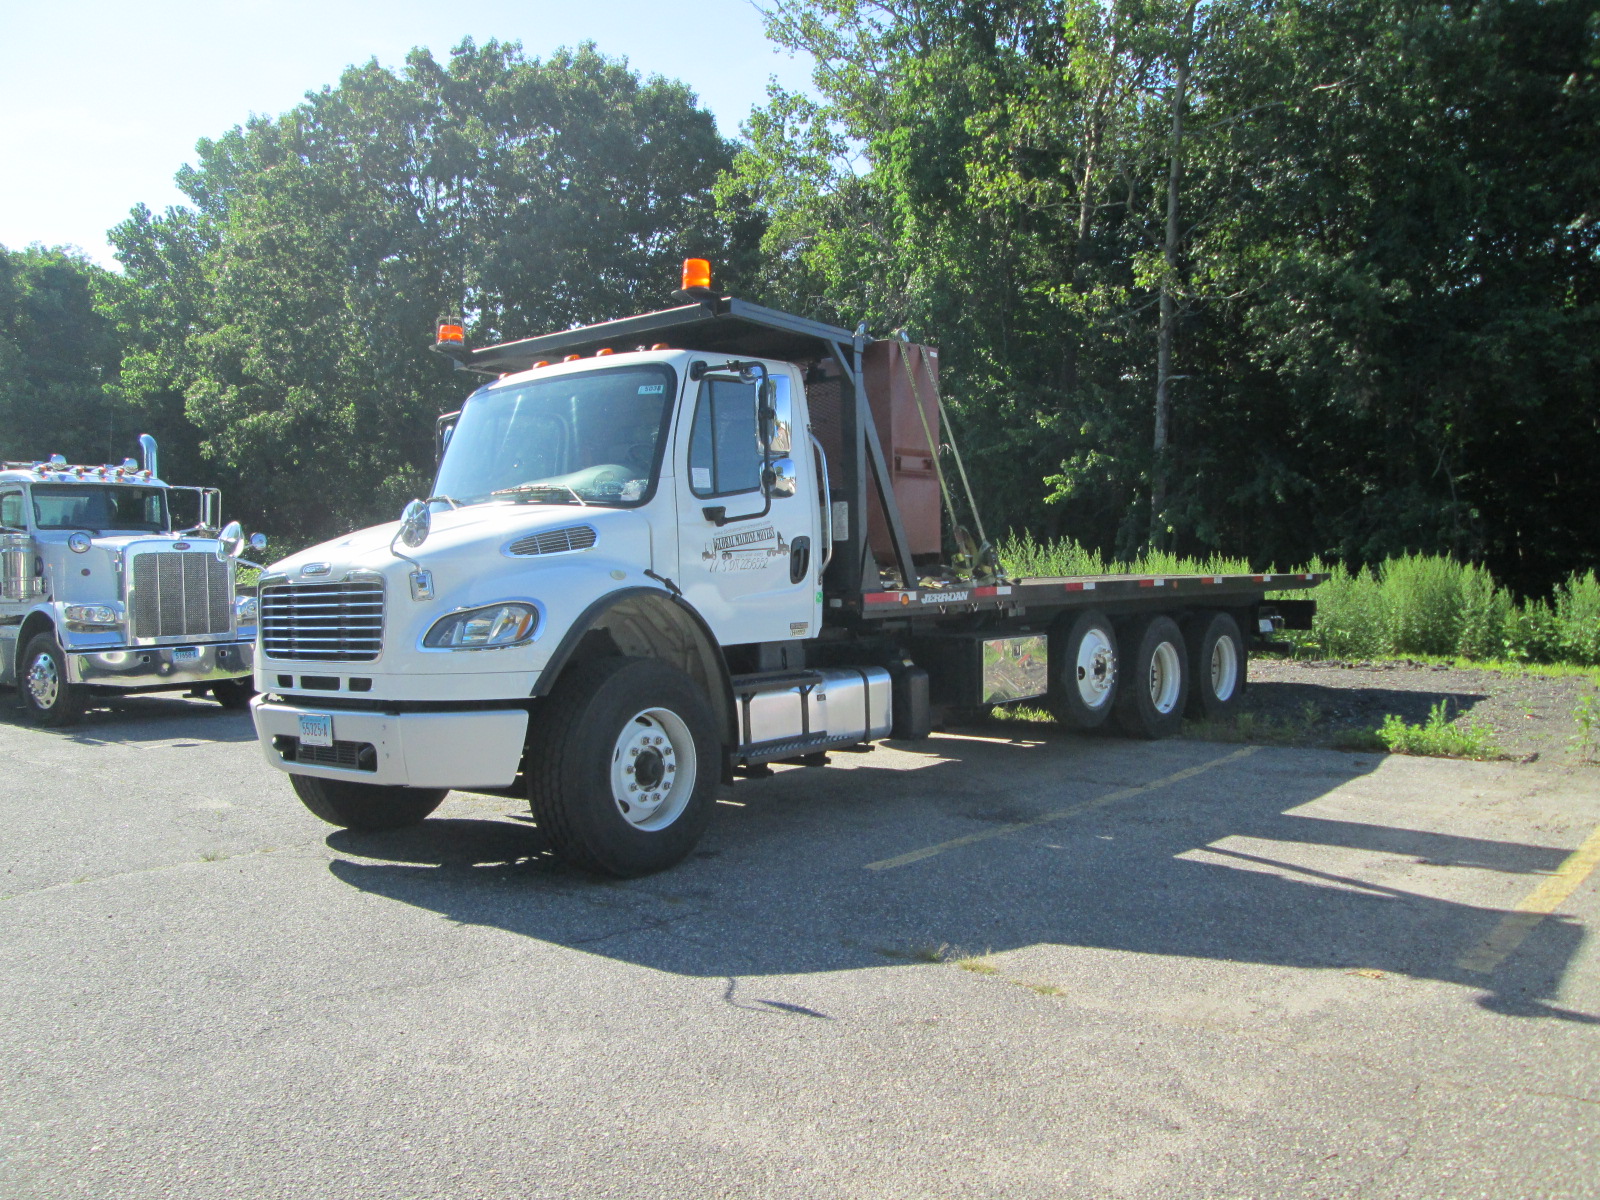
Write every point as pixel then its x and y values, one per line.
pixel 647 622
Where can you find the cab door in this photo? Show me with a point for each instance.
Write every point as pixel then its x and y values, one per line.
pixel 747 552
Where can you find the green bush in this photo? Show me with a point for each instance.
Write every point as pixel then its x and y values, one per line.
pixel 1577 619
pixel 1415 604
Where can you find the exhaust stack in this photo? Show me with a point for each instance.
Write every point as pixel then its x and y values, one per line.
pixel 147 445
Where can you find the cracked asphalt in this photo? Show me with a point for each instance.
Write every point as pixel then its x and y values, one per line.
pixel 985 965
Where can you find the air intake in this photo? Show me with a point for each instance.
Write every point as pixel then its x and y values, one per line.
pixel 554 541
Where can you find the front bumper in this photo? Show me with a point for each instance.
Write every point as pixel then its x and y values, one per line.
pixel 432 749
pixel 155 666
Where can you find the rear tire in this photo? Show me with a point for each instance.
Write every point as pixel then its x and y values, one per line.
pixel 1155 683
pixel 366 806
pixel 42 683
pixel 234 694
pixel 1218 667
pixel 622 766
pixel 1084 682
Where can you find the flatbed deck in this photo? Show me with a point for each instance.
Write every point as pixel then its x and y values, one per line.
pixel 1074 591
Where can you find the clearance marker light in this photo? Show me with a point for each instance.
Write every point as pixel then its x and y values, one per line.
pixel 543 362
pixel 696 273
pixel 572 358
pixel 603 353
pixel 452 333
pixel 661 346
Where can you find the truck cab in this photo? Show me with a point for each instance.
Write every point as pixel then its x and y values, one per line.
pixel 100 594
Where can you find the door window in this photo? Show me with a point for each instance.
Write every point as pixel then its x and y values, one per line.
pixel 724 442
pixel 12 514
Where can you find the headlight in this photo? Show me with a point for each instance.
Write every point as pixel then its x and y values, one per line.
pixel 480 628
pixel 246 610
pixel 92 614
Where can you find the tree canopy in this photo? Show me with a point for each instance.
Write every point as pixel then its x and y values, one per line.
pixel 285 314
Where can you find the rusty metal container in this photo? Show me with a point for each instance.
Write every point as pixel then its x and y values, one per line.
pixel 899 376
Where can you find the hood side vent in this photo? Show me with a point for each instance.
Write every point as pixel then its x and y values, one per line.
pixel 554 541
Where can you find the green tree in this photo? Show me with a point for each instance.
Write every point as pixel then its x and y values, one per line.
pixel 289 309
pixel 59 360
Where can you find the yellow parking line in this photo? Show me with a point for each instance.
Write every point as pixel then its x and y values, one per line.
pixel 1060 814
pixel 1488 954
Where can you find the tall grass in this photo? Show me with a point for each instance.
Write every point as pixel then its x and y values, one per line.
pixel 1418 604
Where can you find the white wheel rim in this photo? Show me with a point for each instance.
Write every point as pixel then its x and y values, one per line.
pixel 44 683
pixel 653 769
pixel 1224 669
pixel 1166 678
pixel 1096 668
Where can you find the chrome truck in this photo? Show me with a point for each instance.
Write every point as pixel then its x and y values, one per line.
pixel 100 594
pixel 670 550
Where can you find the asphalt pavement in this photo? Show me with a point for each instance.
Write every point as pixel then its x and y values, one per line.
pixel 983 965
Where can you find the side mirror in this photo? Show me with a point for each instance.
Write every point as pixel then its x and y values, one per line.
pixel 415 522
pixel 776 418
pixel 230 542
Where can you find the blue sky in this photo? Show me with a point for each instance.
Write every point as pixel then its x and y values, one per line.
pixel 103 101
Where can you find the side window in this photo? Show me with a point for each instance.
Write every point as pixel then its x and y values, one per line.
pixel 12 514
pixel 724 452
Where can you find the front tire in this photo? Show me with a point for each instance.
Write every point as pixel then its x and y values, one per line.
pixel 233 694
pixel 1155 685
pixel 622 768
pixel 366 806
pixel 47 697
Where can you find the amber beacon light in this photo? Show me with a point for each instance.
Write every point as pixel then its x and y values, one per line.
pixel 452 333
pixel 696 273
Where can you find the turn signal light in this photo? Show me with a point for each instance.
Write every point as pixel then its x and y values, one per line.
pixel 452 333
pixel 696 273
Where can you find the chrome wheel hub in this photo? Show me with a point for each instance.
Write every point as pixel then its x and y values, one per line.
pixel 653 769
pixel 44 681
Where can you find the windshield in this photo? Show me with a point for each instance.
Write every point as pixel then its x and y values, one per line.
pixel 99 508
pixel 590 438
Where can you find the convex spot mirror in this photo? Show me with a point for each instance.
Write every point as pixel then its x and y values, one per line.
pixel 415 522
pixel 230 542
pixel 779 478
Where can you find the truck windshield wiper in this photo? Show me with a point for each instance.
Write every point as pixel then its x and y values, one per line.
pixel 528 489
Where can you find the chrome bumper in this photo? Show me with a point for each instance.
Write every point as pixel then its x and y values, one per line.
pixel 151 666
pixel 448 750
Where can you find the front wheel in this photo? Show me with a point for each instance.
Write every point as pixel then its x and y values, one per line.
pixel 233 694
pixel 1155 687
pixel 366 806
pixel 622 766
pixel 46 695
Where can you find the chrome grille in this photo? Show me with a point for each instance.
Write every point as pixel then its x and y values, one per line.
pixel 322 622
pixel 181 595
pixel 554 541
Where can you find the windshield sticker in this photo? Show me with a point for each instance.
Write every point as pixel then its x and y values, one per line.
pixel 652 389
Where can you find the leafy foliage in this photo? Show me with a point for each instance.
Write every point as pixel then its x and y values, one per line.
pixel 286 314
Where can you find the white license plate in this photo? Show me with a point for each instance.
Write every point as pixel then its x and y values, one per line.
pixel 186 654
pixel 316 729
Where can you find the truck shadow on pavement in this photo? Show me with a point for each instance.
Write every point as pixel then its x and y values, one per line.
pixel 159 717
pixel 793 878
